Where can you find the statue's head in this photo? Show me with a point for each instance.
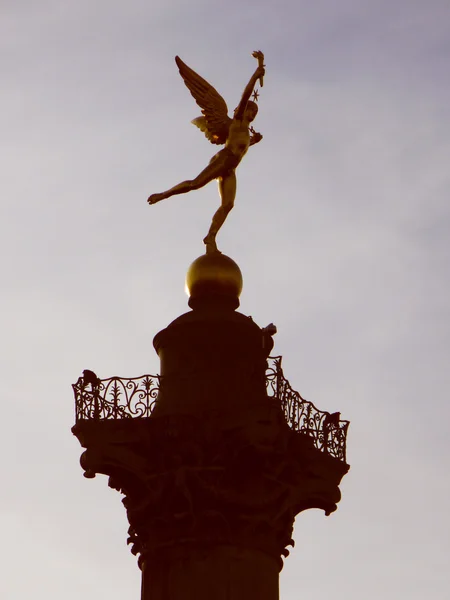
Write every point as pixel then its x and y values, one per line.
pixel 251 110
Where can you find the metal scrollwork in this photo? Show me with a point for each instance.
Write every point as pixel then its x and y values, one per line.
pixel 120 398
pixel 116 397
pixel 328 431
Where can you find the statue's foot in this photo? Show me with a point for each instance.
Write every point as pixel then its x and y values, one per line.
pixel 211 246
pixel 154 198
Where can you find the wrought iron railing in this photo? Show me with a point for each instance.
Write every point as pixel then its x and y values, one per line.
pixel 328 431
pixel 115 398
pixel 120 398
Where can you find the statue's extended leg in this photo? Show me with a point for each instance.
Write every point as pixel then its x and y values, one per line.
pixel 227 189
pixel 181 188
pixel 212 171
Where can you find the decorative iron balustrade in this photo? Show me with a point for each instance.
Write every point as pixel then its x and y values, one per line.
pixel 328 432
pixel 120 398
pixel 115 398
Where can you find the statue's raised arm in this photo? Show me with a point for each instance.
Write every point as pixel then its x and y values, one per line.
pixel 236 133
pixel 258 74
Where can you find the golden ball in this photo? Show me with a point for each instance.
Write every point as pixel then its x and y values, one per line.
pixel 214 274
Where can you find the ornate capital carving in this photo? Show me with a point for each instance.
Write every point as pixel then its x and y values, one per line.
pixel 213 457
pixel 231 478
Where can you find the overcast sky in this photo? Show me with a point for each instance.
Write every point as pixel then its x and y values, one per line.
pixel 341 229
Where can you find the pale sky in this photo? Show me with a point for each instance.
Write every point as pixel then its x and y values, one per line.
pixel 341 229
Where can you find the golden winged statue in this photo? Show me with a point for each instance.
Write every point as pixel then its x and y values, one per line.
pixel 236 133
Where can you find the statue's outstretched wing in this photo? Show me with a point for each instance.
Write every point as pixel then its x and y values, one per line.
pixel 215 122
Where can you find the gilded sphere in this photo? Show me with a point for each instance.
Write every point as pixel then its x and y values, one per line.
pixel 214 274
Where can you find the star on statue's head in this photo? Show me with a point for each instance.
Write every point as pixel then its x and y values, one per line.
pixel 255 95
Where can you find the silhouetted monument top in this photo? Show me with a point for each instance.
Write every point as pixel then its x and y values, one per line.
pixel 217 454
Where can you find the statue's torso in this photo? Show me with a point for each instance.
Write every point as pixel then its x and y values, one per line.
pixel 238 139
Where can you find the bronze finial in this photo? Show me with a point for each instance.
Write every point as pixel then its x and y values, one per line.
pixel 236 133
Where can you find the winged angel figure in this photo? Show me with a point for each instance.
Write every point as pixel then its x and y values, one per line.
pixel 236 133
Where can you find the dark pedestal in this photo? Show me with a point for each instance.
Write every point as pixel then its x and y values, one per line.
pixel 213 476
